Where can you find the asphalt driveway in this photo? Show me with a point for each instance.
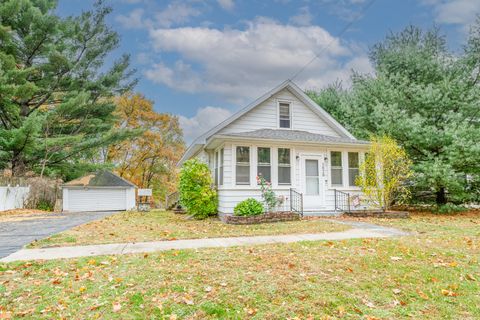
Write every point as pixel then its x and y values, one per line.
pixel 16 234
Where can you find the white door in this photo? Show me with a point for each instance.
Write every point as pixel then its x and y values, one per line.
pixel 313 176
pixel 101 199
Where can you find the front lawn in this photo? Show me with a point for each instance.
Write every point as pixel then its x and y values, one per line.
pixel 434 274
pixel 165 225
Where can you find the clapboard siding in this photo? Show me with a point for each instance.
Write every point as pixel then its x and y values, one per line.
pixel 265 116
pixel 230 194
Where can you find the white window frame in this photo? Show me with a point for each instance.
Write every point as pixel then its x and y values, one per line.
pixel 270 164
pixel 348 167
pixel 278 166
pixel 345 173
pixel 330 169
pixel 251 162
pixel 290 103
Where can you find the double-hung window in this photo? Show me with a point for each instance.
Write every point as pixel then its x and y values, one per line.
pixel 216 164
pixel 353 168
pixel 243 165
pixel 284 166
pixel 336 168
pixel 219 167
pixel 264 167
pixel 285 120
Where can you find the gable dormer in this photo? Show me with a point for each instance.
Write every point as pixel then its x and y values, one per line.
pixel 282 110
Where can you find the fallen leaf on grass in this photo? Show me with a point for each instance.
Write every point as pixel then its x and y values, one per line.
pixel 368 303
pixel 395 258
pixel 422 295
pixel 116 307
pixel 449 293
pixel 470 277
pixel 396 291
pixel 208 289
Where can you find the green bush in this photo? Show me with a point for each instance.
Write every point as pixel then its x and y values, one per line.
pixel 44 205
pixel 197 195
pixel 450 208
pixel 248 207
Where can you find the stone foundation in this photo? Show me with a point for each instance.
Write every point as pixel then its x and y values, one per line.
pixel 378 214
pixel 262 218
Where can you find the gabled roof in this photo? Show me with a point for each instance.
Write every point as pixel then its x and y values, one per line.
pixel 100 179
pixel 294 135
pixel 288 84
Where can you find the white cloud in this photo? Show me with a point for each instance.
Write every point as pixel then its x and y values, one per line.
pixel 175 13
pixel 303 18
pixel 456 12
pixel 133 20
pixel 239 65
pixel 226 4
pixel 205 119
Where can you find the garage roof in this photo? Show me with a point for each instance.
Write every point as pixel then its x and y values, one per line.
pixel 100 179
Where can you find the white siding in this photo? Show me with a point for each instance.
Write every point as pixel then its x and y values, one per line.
pixel 231 194
pixel 265 116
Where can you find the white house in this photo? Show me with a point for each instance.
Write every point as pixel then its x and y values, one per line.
pixel 288 139
pixel 99 191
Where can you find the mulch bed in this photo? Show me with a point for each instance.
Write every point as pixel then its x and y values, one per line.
pixel 378 214
pixel 262 218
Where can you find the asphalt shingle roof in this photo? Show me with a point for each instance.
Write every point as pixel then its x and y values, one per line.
pixel 294 135
pixel 100 179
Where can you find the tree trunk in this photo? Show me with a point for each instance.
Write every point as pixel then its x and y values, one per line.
pixel 441 196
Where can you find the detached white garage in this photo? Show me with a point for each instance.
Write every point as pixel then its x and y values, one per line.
pixel 100 191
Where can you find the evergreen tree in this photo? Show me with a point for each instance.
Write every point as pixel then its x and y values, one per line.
pixel 56 105
pixel 428 100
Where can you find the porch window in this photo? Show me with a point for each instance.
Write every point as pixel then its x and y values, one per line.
pixel 243 165
pixel 264 167
pixel 215 162
pixel 284 115
pixel 220 168
pixel 284 167
pixel 353 168
pixel 336 168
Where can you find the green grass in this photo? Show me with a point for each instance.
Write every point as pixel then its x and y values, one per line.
pixel 165 225
pixel 433 274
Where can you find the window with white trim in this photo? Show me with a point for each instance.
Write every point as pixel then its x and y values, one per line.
pixel 264 163
pixel 353 168
pixel 284 166
pixel 285 120
pixel 336 168
pixel 216 165
pixel 242 165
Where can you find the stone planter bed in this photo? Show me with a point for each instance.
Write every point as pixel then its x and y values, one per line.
pixel 378 214
pixel 262 218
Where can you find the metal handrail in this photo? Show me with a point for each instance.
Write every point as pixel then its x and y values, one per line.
pixel 342 201
pixel 296 201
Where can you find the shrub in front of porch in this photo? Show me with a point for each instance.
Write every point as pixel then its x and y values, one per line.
pixel 196 193
pixel 248 207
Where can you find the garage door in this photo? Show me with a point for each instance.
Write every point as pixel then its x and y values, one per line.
pixel 96 199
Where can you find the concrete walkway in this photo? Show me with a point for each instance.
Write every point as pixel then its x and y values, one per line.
pixel 360 230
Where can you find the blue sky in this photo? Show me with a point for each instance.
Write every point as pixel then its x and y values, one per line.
pixel 205 59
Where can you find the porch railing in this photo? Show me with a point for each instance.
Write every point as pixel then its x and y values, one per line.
pixel 342 201
pixel 296 201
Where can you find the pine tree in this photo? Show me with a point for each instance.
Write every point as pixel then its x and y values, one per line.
pixel 56 93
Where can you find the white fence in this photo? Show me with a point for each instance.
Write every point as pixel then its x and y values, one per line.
pixel 13 197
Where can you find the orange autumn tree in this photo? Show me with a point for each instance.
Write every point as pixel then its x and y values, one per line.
pixel 149 159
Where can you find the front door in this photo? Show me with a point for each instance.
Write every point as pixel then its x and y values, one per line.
pixel 313 174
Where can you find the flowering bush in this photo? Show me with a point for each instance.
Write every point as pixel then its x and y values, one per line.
pixel 269 197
